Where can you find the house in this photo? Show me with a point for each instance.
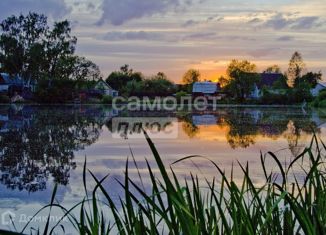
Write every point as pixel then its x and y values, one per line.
pixel 207 89
pixel 102 87
pixel 319 87
pixel 10 84
pixel 267 81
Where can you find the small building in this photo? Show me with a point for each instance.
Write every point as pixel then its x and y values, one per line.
pixel 267 80
pixel 10 84
pixel 319 87
pixel 105 88
pixel 206 89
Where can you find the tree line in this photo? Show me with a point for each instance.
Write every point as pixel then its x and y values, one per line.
pixel 292 86
pixel 37 52
pixel 30 48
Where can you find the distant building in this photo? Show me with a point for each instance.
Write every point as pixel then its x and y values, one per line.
pixel 207 89
pixel 8 83
pixel 105 89
pixel 319 87
pixel 11 84
pixel 267 81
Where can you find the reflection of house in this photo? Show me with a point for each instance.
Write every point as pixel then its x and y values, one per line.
pixel 267 80
pixel 105 89
pixel 319 87
pixel 206 120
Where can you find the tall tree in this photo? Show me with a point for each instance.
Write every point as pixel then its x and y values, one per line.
pixel 21 43
pixel 31 49
pixel 59 45
pixel 191 76
pixel 243 78
pixel 296 68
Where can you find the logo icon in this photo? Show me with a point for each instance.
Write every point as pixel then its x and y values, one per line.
pixel 7 217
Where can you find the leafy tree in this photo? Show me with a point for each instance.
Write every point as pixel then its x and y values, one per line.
pixel 59 45
pixel 296 68
pixel 191 76
pixel 223 81
pixel 119 79
pixel 281 83
pixel 21 41
pixel 309 80
pixel 243 78
pixel 273 69
pixel 85 70
pixel 126 70
pixel 158 85
pixel 31 49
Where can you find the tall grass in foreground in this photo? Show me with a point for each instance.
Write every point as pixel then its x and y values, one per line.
pixel 220 206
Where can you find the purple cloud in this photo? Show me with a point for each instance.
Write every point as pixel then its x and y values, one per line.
pixel 51 8
pixel 119 12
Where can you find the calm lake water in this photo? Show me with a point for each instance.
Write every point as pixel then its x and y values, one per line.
pixel 44 145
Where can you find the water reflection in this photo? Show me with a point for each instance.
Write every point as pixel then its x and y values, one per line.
pixel 39 142
pixel 244 126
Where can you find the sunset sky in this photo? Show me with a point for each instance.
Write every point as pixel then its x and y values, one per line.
pixel 175 35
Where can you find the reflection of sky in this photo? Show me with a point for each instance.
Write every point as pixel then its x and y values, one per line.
pixel 108 155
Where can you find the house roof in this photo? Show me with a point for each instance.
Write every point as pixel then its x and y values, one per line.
pixel 105 83
pixel 322 84
pixel 205 87
pixel 6 79
pixel 268 79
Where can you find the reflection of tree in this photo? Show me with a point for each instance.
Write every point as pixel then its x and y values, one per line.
pixel 41 142
pixel 245 125
pixel 243 129
pixel 273 124
pixel 243 141
pixel 190 129
pixel 188 126
pixel 294 133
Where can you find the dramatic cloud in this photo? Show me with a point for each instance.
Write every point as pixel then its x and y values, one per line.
pixel 51 8
pixel 132 35
pixel 119 12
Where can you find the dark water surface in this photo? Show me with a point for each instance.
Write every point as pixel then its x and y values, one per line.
pixel 44 145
